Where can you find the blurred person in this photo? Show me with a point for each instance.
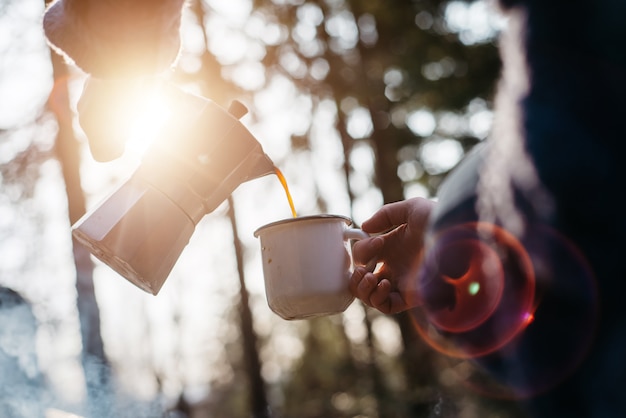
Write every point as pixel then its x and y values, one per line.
pixel 546 190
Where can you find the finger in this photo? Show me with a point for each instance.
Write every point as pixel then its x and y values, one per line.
pixel 389 216
pixel 386 300
pixel 379 297
pixel 365 288
pixel 356 278
pixel 366 250
pixel 416 210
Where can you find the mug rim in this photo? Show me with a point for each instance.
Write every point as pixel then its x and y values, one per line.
pixel 346 219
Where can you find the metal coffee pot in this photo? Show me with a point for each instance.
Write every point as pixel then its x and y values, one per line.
pixel 199 157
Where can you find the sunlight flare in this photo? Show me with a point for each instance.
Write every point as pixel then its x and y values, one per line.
pixel 154 113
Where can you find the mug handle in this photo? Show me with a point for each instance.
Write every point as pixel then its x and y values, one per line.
pixel 354 234
pixel 358 234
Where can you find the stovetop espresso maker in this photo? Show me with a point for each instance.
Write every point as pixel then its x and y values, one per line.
pixel 198 158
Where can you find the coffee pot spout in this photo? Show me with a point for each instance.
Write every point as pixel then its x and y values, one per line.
pixel 263 167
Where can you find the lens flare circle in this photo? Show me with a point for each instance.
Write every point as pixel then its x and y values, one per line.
pixel 478 285
pixel 477 288
pixel 545 318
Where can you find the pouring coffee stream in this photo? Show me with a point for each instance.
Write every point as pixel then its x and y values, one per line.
pixel 283 181
pixel 199 157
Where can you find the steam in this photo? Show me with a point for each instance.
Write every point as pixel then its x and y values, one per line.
pixel 509 166
pixel 21 388
pixel 24 391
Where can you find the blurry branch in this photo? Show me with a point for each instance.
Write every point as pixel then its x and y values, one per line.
pixel 22 171
pixel 209 78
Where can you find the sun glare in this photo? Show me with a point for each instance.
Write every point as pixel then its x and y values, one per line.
pixel 155 111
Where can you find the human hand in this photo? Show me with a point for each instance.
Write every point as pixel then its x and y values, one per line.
pixel 398 248
pixel 116 39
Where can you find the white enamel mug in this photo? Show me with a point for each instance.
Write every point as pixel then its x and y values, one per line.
pixel 307 265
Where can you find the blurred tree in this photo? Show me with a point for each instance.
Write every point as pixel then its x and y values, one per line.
pixel 95 363
pixel 211 84
pixel 327 382
pixel 19 177
pixel 390 60
pixel 258 399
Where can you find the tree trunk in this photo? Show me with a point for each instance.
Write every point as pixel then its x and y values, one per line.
pixel 94 361
pixel 380 391
pixel 258 400
pixel 416 356
pixel 214 87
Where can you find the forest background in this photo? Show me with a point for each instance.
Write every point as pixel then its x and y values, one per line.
pixel 358 102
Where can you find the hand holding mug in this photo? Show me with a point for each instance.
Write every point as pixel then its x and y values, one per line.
pixel 397 246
